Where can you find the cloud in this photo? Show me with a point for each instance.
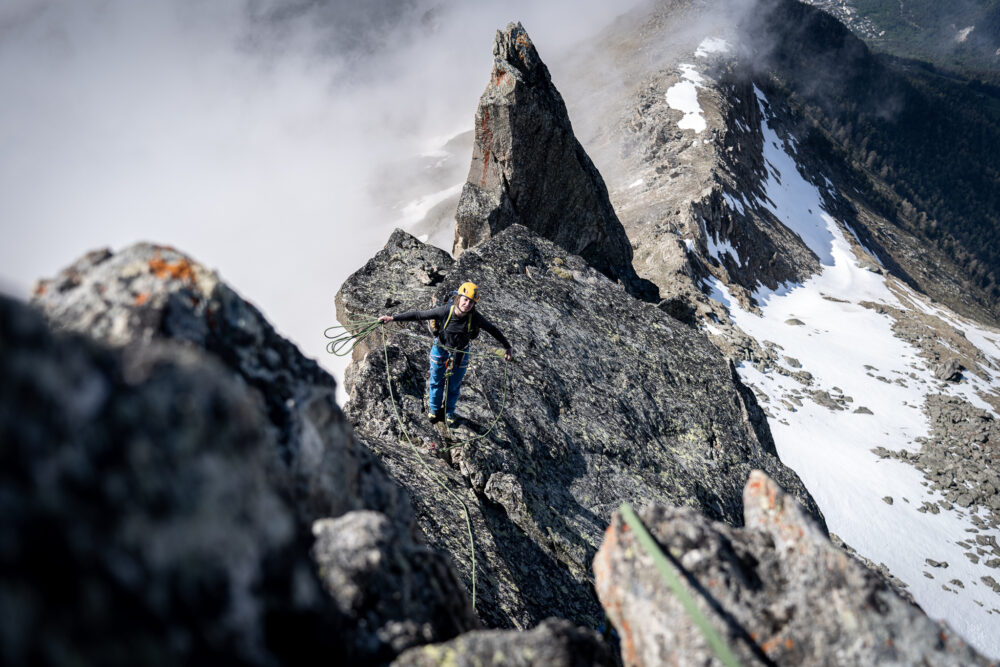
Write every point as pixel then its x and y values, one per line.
pixel 250 135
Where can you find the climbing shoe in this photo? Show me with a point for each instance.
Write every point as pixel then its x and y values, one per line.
pixel 451 421
pixel 435 415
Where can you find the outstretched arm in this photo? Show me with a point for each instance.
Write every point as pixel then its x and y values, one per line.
pixel 412 315
pixel 492 330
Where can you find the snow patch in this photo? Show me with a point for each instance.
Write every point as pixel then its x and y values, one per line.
pixel 719 292
pixel 711 45
pixel 964 33
pixel 734 203
pixel 636 183
pixel 417 209
pixel 683 96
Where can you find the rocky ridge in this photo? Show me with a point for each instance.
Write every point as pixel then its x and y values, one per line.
pixel 540 486
pixel 609 400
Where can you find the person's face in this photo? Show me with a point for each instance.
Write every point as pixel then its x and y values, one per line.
pixel 464 304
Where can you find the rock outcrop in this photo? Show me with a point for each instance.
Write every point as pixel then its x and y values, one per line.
pixel 776 590
pixel 608 400
pixel 386 590
pixel 554 643
pixel 528 168
pixel 148 292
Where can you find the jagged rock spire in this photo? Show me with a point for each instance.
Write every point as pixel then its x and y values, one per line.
pixel 528 168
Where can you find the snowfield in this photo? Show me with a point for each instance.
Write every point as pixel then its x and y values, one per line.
pixel 852 354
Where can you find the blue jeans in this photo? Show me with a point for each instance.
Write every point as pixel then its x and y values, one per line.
pixel 439 361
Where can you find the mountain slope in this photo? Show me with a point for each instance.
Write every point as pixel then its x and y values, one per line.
pixel 807 267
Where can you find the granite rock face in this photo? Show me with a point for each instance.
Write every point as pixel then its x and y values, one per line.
pixel 528 168
pixel 553 643
pixel 148 296
pixel 776 590
pixel 609 399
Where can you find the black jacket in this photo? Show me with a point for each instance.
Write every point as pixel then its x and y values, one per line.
pixel 460 330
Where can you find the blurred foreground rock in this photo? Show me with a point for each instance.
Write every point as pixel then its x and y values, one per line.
pixel 553 643
pixel 139 526
pixel 387 589
pixel 777 590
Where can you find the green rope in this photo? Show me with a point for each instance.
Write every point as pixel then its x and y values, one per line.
pixel 715 642
pixel 354 332
pixel 427 469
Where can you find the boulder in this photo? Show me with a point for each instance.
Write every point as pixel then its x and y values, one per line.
pixel 608 399
pixel 777 591
pixel 400 593
pixel 528 168
pixel 949 370
pixel 148 292
pixel 554 643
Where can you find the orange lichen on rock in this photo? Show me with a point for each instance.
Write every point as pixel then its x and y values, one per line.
pixel 609 593
pixel 486 142
pixel 775 642
pixel 179 270
pixel 41 287
pixel 141 298
pixel 525 44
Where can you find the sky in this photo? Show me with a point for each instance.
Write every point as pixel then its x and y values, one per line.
pixel 253 135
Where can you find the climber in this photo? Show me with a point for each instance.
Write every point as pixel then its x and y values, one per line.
pixel 455 325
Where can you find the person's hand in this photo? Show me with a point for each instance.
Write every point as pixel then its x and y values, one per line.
pixel 385 318
pixel 507 356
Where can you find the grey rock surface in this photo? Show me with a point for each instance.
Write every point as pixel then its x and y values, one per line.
pixel 139 525
pixel 776 590
pixel 609 399
pixel 553 643
pixel 147 295
pixel 400 593
pixel 528 168
pixel 949 370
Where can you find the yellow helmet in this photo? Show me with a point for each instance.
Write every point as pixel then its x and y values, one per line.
pixel 470 290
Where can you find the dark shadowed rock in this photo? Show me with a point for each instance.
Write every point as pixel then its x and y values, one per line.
pixel 554 643
pixel 139 525
pixel 148 294
pixel 609 399
pixel 528 168
pixel 777 590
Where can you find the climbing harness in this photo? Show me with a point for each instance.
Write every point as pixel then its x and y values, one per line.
pixel 359 329
pixel 715 642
